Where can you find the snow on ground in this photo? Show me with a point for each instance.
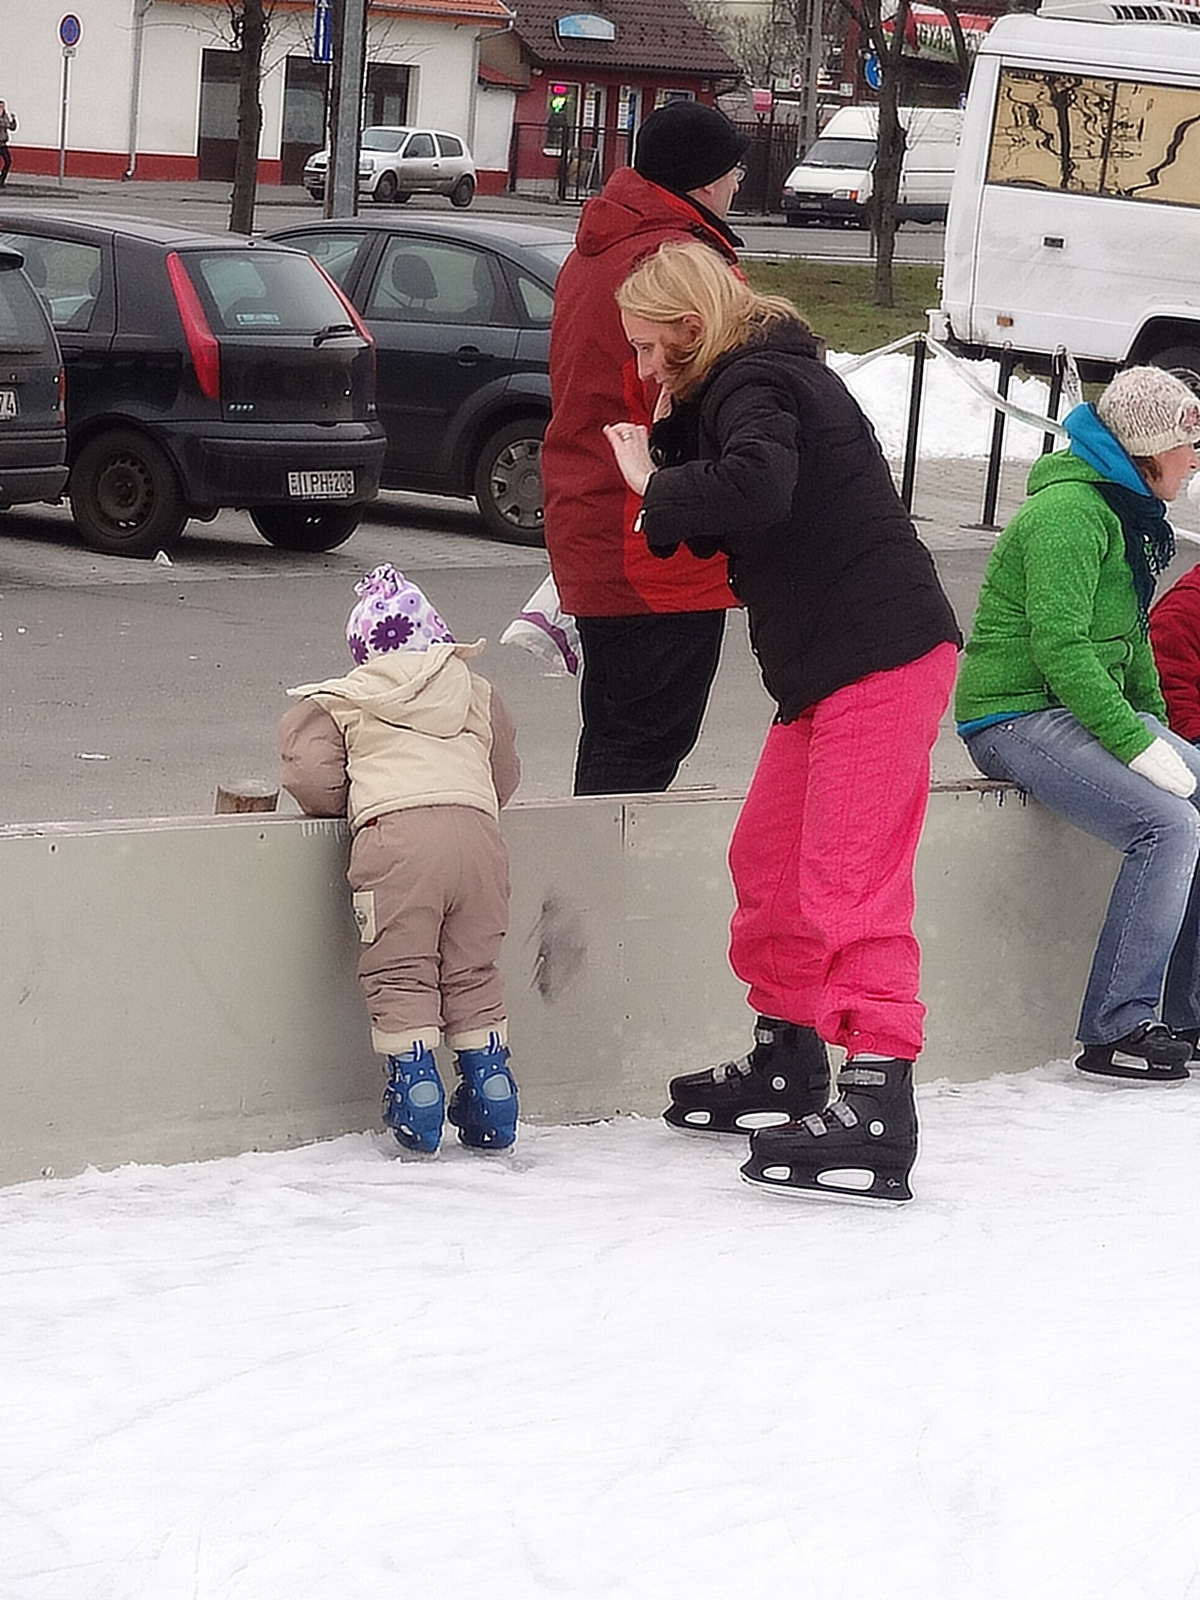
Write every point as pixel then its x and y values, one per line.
pixel 606 1369
pixel 955 419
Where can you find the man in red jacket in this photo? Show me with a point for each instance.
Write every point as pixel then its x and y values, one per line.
pixel 651 629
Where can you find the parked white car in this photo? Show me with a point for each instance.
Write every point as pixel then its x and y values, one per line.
pixel 396 163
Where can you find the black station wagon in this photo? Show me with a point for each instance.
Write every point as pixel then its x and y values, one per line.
pixel 460 312
pixel 203 371
pixel 33 438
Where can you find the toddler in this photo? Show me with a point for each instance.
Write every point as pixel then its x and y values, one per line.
pixel 418 752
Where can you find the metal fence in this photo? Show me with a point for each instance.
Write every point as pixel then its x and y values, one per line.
pixel 572 165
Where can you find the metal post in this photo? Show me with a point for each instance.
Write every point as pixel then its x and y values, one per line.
pixel 1057 369
pixel 350 43
pixel 62 116
pixel 992 487
pixel 914 423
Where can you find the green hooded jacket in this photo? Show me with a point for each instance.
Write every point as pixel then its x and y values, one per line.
pixel 1057 622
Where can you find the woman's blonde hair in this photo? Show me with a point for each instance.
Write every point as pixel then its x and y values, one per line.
pixel 688 279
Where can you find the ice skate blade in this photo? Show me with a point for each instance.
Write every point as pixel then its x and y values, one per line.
pixel 869 1196
pixel 1123 1068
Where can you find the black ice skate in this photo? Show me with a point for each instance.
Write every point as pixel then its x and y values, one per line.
pixel 784 1077
pixel 862 1146
pixel 1150 1054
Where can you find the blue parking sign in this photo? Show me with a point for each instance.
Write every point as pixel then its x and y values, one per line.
pixel 322 50
pixel 70 30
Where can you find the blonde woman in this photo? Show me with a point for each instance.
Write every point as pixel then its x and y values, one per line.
pixel 761 453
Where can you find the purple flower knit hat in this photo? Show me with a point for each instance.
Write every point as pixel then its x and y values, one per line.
pixel 392 614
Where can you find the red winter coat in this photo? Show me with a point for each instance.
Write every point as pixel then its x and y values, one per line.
pixel 1175 637
pixel 602 568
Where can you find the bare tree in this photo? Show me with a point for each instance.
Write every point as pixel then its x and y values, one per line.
pixel 766 46
pixel 249 22
pixel 887 42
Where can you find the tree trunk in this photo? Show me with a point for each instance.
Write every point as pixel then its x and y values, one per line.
pixel 253 32
pixel 889 160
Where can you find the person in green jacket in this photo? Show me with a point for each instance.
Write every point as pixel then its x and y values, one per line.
pixel 1058 693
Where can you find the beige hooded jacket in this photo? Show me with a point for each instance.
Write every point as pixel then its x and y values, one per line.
pixel 410 728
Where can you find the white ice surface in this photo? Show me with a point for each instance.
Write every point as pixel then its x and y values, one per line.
pixel 606 1369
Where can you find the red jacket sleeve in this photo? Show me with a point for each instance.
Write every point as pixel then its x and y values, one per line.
pixel 1175 637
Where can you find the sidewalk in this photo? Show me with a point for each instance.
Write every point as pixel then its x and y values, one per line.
pixel 21 188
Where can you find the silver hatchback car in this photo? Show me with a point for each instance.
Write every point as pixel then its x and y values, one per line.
pixel 396 163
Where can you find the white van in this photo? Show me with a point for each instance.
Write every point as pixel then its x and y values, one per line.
pixel 834 181
pixel 1075 214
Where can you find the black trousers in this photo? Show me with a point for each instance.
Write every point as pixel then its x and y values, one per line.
pixel 643 694
pixel 5 160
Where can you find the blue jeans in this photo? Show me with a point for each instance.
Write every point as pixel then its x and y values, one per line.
pixel 1152 926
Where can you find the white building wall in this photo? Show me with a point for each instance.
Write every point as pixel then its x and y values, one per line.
pixel 31 69
pixel 441 54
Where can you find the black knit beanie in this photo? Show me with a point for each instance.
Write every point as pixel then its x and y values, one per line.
pixel 684 145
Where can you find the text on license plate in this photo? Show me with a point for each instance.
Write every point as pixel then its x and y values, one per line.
pixel 321 485
pixel 8 403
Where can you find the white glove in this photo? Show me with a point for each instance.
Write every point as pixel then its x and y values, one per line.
pixel 1166 768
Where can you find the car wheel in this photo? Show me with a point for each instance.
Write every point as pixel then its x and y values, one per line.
pixel 317 194
pixel 403 196
pixel 508 482
pixel 1183 359
pixel 125 496
pixel 385 189
pixel 306 527
pixel 463 191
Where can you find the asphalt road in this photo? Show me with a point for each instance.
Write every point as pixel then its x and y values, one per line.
pixel 132 689
pixel 206 206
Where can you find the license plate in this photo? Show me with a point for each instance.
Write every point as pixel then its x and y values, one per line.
pixel 321 485
pixel 8 403
pixel 806 205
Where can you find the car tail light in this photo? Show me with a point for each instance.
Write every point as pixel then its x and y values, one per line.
pixel 202 346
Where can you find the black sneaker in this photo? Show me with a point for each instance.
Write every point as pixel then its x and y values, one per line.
pixel 785 1077
pixel 1150 1054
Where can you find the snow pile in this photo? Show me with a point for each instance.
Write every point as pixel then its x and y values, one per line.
pixel 606 1369
pixel 956 421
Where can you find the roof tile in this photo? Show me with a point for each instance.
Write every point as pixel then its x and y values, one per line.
pixel 655 34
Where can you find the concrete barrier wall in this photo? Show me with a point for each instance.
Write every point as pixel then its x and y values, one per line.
pixel 182 989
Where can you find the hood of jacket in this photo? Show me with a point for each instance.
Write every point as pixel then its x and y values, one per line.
pixel 785 337
pixel 1100 449
pixel 630 205
pixel 426 690
pixel 1063 466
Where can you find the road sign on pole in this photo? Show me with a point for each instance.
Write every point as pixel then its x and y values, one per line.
pixel 322 50
pixel 70 31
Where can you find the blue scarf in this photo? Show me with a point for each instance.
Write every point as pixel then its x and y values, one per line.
pixel 1149 537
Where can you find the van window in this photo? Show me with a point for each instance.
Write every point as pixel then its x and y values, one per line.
pixel 1084 135
pixel 855 153
pixel 263 292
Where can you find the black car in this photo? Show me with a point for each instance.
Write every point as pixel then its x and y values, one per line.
pixel 203 371
pixel 460 312
pixel 33 437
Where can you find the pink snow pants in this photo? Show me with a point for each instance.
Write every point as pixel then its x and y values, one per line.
pixel 822 861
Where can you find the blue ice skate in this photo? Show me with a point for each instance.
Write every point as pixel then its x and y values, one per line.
pixel 414 1101
pixel 484 1105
